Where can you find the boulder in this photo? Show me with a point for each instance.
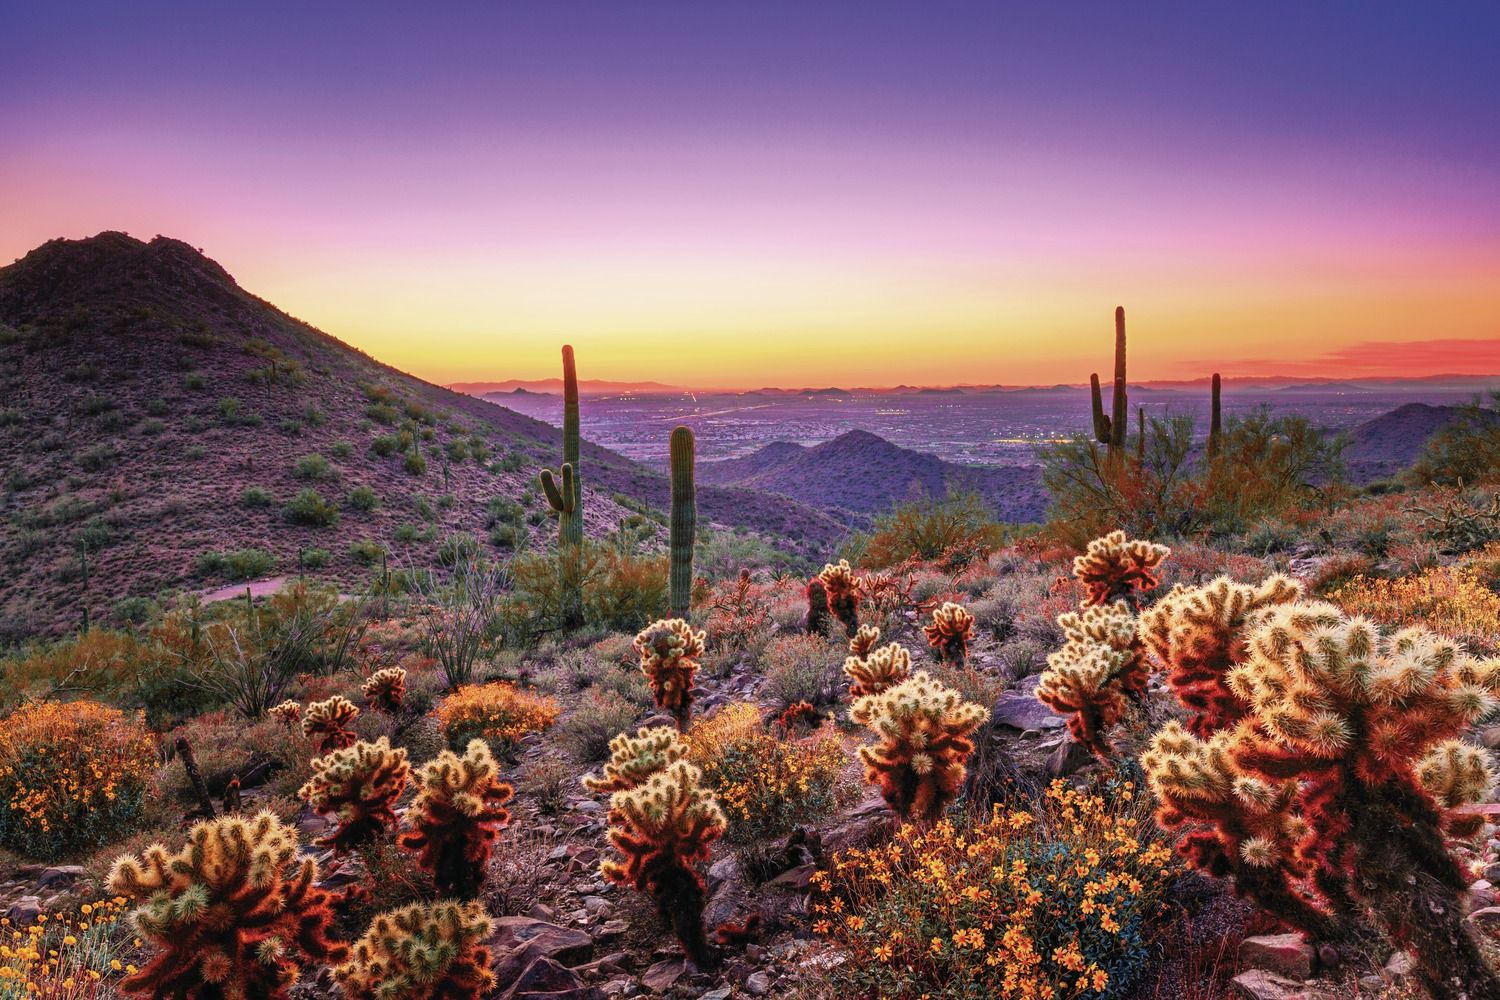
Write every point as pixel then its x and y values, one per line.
pixel 1019 709
pixel 1284 954
pixel 1258 984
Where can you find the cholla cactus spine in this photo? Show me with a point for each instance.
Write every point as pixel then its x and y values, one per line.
pixel 234 913
pixel 883 668
pixel 329 721
pixel 924 730
pixel 1117 568
pixel 634 759
pixel 949 632
pixel 843 589
pixel 386 689
pixel 425 951
pixel 1097 674
pixel 289 712
pixel 457 814
pixel 661 829
pixel 359 786
pixel 669 650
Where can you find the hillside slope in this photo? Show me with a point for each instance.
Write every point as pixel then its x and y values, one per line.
pixel 1392 441
pixel 859 474
pixel 143 392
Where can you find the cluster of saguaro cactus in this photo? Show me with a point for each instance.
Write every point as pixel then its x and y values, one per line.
pixel 425 951
pixel 870 669
pixel 949 632
pixel 634 759
pixel 924 731
pixel 1116 568
pixel 564 492
pixel 329 721
pixel 359 786
pixel 662 828
pixel 235 913
pixel 289 712
pixel 1110 428
pixel 1098 673
pixel 457 814
pixel 842 588
pixel 684 527
pixel 385 690
pixel 669 650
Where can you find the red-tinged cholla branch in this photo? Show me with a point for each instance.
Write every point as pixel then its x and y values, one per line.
pixel 288 712
pixel 669 650
pixel 1116 568
pixel 385 690
pixel 358 786
pixel 1097 675
pixel 881 669
pixel 842 587
pixel 329 723
pixel 455 818
pixel 949 633
pixel 425 951
pixel 634 759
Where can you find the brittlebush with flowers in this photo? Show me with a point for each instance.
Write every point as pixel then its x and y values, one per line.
pixel 1044 904
pixel 66 956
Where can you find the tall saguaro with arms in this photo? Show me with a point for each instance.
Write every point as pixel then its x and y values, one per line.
pixel 564 493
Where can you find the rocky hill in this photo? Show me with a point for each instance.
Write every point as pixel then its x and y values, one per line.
pixel 152 413
pixel 858 474
pixel 1392 441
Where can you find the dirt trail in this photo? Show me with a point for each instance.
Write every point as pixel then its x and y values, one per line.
pixel 257 588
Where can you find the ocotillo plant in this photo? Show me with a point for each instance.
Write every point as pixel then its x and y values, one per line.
pixel 564 493
pixel 1215 423
pixel 684 521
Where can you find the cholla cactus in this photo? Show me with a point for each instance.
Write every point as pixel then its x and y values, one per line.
pixel 661 829
pixel 950 631
pixel 329 721
pixel 386 689
pixel 289 712
pixel 864 641
pixel 1100 670
pixel 1114 568
pixel 1457 774
pixel 884 668
pixel 426 951
pixel 924 729
pixel 842 588
pixel 669 650
pixel 1198 634
pixel 455 817
pixel 634 759
pixel 359 786
pixel 233 914
pixel 817 607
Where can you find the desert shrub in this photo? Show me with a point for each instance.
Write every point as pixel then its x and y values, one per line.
pixel 804 668
pixel 340 450
pixel 136 609
pixel 623 590
pixel 1466 450
pixel 151 427
pixel 456 616
pixel 1267 465
pixel 309 508
pixel 458 547
pixel 499 713
pixel 313 467
pixel 255 496
pixel 765 782
pixel 72 776
pixel 1043 904
pixel 599 717
pixel 385 446
pixel 382 413
pixel 1451 600
pixel 238 564
pixel 415 463
pixel 362 498
pixel 366 551
pixel 100 456
pixel 314 558
pixel 958 528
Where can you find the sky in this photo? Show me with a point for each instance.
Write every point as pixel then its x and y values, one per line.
pixel 735 194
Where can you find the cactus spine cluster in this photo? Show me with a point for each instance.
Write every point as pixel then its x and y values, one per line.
pixel 426 951
pixel 359 786
pixel 924 731
pixel 233 914
pixel 871 670
pixel 289 712
pixel 564 493
pixel 634 759
pixel 661 829
pixel 669 650
pixel 385 690
pixel 842 589
pixel 949 632
pixel 684 521
pixel 1097 674
pixel 1114 568
pixel 329 722
pixel 457 814
pixel 817 607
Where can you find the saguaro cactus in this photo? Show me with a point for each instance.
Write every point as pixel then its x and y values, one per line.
pixel 1101 419
pixel 684 521
pixel 1119 421
pixel 1215 424
pixel 564 493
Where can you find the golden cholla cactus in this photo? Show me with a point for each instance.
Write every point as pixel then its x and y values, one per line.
pixel 1100 670
pixel 457 814
pixel 425 951
pixel 884 668
pixel 843 589
pixel 669 650
pixel 1458 774
pixel 235 913
pixel 662 829
pixel 924 730
pixel 358 786
pixel 1114 567
pixel 329 721
pixel 950 631
pixel 1199 635
pixel 386 689
pixel 864 641
pixel 634 759
pixel 289 712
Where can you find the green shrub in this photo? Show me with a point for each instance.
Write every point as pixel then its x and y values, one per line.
pixel 100 456
pixel 313 467
pixel 415 463
pixel 458 547
pixel 255 496
pixel 151 428
pixel 366 551
pixel 341 449
pixel 599 717
pixel 194 381
pixel 362 498
pixel 309 508
pixel 315 558
pixel 1466 450
pixel 804 668
pixel 239 564
pixel 382 413
pixel 385 446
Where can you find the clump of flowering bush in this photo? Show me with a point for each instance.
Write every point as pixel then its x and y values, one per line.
pixel 65 956
pixel 1451 600
pixel 1022 905
pixel 499 713
pixel 72 776
pixel 766 784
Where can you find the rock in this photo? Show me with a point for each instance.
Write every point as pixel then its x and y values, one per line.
pixel 24 911
pixel 1399 967
pixel 660 977
pixel 722 993
pixel 1258 984
pixel 59 876
pixel 542 976
pixel 732 895
pixel 1481 894
pixel 541 911
pixel 1069 758
pixel 541 940
pixel 1489 916
pixel 757 984
pixel 1019 709
pixel 1284 954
